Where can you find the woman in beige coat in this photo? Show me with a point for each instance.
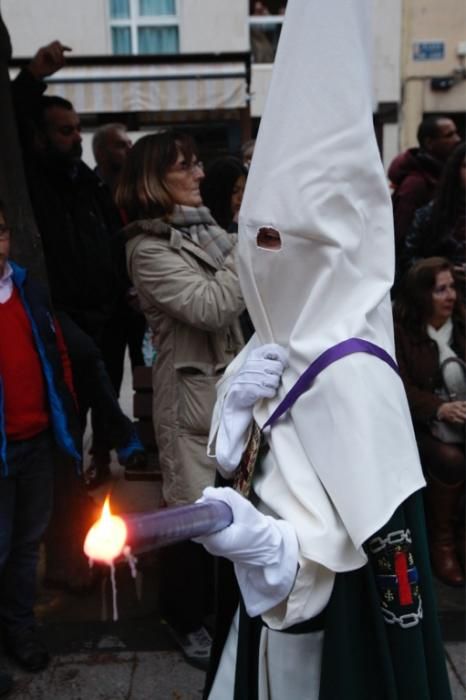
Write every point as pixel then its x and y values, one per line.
pixel 182 266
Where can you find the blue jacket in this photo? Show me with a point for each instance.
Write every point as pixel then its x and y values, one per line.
pixel 63 415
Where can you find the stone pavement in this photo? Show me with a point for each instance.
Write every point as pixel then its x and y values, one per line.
pixel 112 676
pixel 134 658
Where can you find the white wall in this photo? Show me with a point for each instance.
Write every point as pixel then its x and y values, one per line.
pixel 205 25
pixel 386 57
pixel 82 25
pixel 387 50
pixel 213 25
pixel 260 80
pixel 434 20
pixel 424 21
pixel 391 145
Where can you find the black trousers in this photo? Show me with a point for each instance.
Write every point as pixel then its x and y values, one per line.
pixel 186 585
pixel 94 389
pixel 127 328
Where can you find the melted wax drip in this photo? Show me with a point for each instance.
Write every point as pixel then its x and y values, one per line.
pixel 114 591
pixel 132 562
pixel 131 559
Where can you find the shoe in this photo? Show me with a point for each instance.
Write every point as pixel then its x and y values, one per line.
pixel 6 682
pixel 137 462
pixel 28 650
pixel 133 456
pixel 98 472
pixel 195 646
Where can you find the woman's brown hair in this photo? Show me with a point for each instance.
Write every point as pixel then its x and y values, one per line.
pixel 413 306
pixel 141 191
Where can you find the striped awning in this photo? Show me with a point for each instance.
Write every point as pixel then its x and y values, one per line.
pixel 152 88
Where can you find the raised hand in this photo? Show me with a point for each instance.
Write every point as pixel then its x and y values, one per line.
pixel 48 60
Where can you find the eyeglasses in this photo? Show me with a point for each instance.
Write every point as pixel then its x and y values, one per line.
pixel 185 168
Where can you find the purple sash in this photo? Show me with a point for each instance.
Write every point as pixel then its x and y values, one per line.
pixel 336 352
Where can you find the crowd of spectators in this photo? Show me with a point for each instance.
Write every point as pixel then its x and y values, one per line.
pixel 147 240
pixel 181 263
pixel 429 200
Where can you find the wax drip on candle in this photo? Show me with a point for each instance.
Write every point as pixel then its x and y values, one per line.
pixel 114 592
pixel 103 593
pixel 131 559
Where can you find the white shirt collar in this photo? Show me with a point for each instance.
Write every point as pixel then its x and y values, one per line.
pixel 6 284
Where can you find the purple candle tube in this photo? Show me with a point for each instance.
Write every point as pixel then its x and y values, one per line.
pixel 148 531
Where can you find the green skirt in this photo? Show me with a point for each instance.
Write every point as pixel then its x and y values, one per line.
pixel 382 637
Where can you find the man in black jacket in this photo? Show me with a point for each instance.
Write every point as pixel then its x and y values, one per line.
pixel 78 224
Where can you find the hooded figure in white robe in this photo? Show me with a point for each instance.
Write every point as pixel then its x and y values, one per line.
pixel 316 263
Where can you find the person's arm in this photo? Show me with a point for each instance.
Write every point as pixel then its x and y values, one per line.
pixel 164 279
pixel 423 404
pixel 263 549
pixel 65 360
pixel 48 60
pixel 29 86
pixel 411 195
pixel 415 237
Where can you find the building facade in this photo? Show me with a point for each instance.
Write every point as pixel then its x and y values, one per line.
pixel 206 64
pixel 433 76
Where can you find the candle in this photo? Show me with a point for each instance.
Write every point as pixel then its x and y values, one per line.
pixel 114 536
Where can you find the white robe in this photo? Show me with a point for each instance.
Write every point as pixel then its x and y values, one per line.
pixel 344 457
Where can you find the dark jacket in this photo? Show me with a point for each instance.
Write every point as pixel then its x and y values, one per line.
pixel 422 241
pixel 78 223
pixel 414 175
pixel 418 360
pixel 61 402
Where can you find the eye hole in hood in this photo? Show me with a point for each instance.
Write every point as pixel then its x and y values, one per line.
pixel 268 238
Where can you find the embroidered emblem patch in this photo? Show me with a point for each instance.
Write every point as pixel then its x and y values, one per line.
pixel 397 578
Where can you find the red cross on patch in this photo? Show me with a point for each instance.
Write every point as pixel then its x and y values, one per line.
pixel 402 579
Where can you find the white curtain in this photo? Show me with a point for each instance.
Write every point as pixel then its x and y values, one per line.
pixel 121 40
pixel 158 40
pixel 156 7
pixel 119 9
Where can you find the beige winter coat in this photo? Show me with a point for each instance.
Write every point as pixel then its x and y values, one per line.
pixel 192 306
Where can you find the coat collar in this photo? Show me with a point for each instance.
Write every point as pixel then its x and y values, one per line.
pixel 19 274
pixel 162 229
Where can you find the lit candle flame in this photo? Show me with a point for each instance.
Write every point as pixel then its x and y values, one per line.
pixel 106 539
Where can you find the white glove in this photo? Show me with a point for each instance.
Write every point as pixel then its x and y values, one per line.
pixel 264 551
pixel 258 378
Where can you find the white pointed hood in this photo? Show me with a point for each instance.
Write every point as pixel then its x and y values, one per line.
pixel 347 445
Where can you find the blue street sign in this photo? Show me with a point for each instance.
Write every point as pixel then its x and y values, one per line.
pixel 428 50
